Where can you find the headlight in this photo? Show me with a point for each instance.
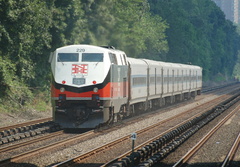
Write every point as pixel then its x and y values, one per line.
pixel 95 89
pixel 62 89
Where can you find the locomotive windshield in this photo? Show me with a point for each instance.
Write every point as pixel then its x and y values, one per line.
pixel 92 57
pixel 67 57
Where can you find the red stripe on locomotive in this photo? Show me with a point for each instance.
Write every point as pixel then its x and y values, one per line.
pixel 111 90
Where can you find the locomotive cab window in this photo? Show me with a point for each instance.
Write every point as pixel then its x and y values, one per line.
pixel 92 57
pixel 67 57
pixel 113 58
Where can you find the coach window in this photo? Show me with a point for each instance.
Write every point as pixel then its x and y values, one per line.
pixel 139 81
pixel 165 79
pixel 178 76
pixel 113 58
pixel 152 80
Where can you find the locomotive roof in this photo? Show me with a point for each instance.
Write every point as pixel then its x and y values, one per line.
pixel 166 64
pixel 105 48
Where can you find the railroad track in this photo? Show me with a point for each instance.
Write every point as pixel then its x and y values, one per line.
pixel 230 156
pixel 27 129
pixel 147 142
pixel 203 107
pixel 156 153
pixel 203 141
pixel 26 143
pixel 29 154
pixel 105 147
pixel 82 158
pixel 21 157
pixel 29 123
pixel 214 88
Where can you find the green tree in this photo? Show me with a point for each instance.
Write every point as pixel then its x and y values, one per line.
pixel 143 34
pixel 199 34
pixel 24 34
pixel 236 71
pixel 127 25
pixel 68 23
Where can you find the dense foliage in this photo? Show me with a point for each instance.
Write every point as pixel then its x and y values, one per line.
pixel 199 34
pixel 186 31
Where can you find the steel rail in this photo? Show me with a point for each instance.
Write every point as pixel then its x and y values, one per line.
pixel 232 152
pixel 26 124
pixel 121 139
pixel 36 151
pixel 190 153
pixel 18 145
pixel 151 140
pixel 147 142
pixel 45 148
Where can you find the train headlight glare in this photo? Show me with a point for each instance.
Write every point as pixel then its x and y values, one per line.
pixel 95 89
pixel 62 89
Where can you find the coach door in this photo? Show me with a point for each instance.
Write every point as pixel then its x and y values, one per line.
pixel 124 87
pixel 196 79
pixel 177 78
pixel 190 80
pixel 114 73
pixel 155 81
pixel 173 80
pixel 168 81
pixel 124 75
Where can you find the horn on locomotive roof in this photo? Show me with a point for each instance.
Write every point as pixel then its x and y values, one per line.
pixel 109 47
